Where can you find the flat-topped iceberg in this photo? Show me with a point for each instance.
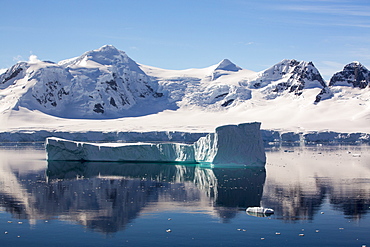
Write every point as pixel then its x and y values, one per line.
pixel 229 145
pixel 60 149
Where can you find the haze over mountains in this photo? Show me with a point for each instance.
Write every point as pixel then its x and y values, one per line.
pixel 107 84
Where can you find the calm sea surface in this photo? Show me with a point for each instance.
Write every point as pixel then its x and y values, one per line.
pixel 321 197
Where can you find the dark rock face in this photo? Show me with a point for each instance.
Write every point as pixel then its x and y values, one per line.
pixel 353 74
pixel 302 73
pixel 290 76
pixel 227 103
pixel 12 73
pixel 53 93
pixel 98 108
pixel 324 94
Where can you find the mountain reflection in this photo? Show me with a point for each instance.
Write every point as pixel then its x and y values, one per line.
pixel 300 182
pixel 107 196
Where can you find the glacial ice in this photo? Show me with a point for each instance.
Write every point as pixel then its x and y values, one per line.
pixel 60 149
pixel 230 145
pixel 259 211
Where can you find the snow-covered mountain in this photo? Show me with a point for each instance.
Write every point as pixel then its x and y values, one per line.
pixel 103 83
pixel 290 75
pixel 107 84
pixel 212 88
pixel 226 84
pixel 353 75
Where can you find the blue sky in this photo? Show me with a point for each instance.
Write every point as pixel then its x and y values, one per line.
pixel 176 34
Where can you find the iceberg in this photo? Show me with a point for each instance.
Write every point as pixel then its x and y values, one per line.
pixel 230 145
pixel 66 150
pixel 259 211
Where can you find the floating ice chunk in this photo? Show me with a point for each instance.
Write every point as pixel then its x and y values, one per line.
pixel 259 210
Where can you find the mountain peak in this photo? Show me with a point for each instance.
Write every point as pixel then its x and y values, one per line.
pixel 354 64
pixel 353 74
pixel 227 65
pixel 105 55
pixel 107 48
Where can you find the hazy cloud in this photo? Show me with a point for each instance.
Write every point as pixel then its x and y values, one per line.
pixel 348 10
pixel 18 58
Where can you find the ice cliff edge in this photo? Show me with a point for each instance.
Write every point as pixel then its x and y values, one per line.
pixel 230 145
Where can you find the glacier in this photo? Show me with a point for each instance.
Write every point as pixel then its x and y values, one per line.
pixel 230 145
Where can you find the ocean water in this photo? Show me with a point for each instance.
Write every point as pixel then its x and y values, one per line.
pixel 320 196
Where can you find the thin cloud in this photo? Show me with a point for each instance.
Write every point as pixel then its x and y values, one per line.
pixel 347 23
pixel 361 53
pixel 333 9
pixel 246 43
pixel 18 58
pixel 328 68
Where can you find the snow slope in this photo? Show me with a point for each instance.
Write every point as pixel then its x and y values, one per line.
pixel 103 83
pixel 106 91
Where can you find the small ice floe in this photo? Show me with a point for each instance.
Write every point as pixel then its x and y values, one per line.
pixel 259 211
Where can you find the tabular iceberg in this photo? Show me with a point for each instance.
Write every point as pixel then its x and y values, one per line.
pixel 60 149
pixel 230 145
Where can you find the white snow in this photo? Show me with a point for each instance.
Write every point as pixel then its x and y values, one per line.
pixel 194 100
pixel 229 145
pixel 2 71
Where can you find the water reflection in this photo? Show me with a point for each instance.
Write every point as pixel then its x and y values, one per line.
pixel 107 196
pixel 301 180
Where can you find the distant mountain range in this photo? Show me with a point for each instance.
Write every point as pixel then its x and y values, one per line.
pixel 106 83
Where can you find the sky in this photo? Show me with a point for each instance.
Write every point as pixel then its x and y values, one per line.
pixel 182 34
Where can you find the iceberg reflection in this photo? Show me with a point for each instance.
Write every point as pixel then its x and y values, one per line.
pixel 105 196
